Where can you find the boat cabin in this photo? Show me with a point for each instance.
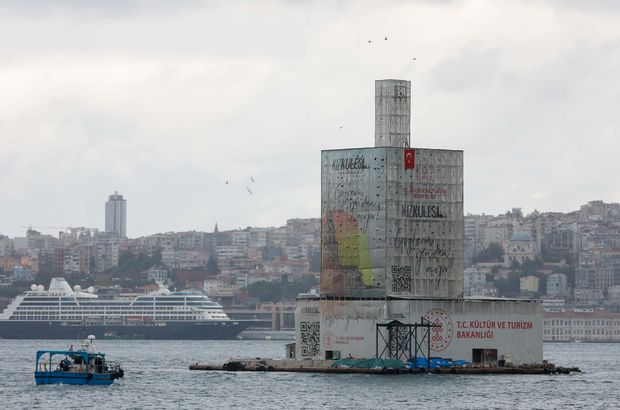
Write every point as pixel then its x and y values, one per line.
pixel 81 366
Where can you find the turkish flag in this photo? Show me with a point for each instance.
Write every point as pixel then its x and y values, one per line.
pixel 409 158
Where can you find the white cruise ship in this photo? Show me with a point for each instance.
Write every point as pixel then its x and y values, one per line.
pixel 61 313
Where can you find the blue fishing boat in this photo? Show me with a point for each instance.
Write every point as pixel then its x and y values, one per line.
pixel 82 365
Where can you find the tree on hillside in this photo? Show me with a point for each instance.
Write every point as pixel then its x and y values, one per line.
pixel 509 287
pixel 532 266
pixel 212 266
pixel 299 285
pixel 493 253
pixel 130 264
pixel 282 290
pixel 266 291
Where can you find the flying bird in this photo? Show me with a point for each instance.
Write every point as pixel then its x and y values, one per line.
pixel 385 38
pixel 341 127
pixel 226 182
pixel 252 179
pixel 369 41
pixel 413 58
pixel 249 190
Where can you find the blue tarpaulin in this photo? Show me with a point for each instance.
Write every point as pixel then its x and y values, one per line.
pixel 421 362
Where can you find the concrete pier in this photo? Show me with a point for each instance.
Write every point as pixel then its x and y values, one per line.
pixel 325 366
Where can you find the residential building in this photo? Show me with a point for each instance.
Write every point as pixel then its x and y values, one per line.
pixel 474 281
pixel 105 255
pixel 529 284
pixel 557 285
pixel 554 305
pixel 589 297
pixel 158 274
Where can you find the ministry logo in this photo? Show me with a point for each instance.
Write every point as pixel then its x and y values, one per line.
pixel 441 333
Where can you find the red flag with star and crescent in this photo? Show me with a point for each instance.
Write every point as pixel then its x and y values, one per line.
pixel 409 158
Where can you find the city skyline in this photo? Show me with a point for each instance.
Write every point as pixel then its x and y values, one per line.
pixel 222 117
pixel 54 230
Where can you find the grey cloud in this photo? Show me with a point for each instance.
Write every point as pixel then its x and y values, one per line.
pixel 591 6
pixel 474 67
pixel 102 9
pixel 166 104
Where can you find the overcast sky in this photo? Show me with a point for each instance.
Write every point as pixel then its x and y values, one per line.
pixel 165 101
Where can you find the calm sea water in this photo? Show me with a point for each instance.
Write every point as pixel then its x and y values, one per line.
pixel 157 376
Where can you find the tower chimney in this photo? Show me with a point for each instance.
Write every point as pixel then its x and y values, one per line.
pixel 392 113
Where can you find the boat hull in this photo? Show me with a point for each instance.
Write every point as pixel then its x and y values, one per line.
pixel 101 379
pixel 216 330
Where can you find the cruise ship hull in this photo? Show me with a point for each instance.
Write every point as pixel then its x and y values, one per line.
pixel 211 330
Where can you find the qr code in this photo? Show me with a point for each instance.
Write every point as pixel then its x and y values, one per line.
pixel 401 278
pixel 310 338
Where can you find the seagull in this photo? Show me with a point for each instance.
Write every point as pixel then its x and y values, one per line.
pixel 413 58
pixel 341 127
pixel 226 182
pixel 385 39
pixel 369 41
pixel 249 190
pixel 252 179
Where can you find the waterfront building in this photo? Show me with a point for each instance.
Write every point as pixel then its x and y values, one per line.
pixel 582 325
pixel 116 215
pixel 392 256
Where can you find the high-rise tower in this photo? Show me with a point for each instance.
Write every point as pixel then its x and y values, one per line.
pixel 116 215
